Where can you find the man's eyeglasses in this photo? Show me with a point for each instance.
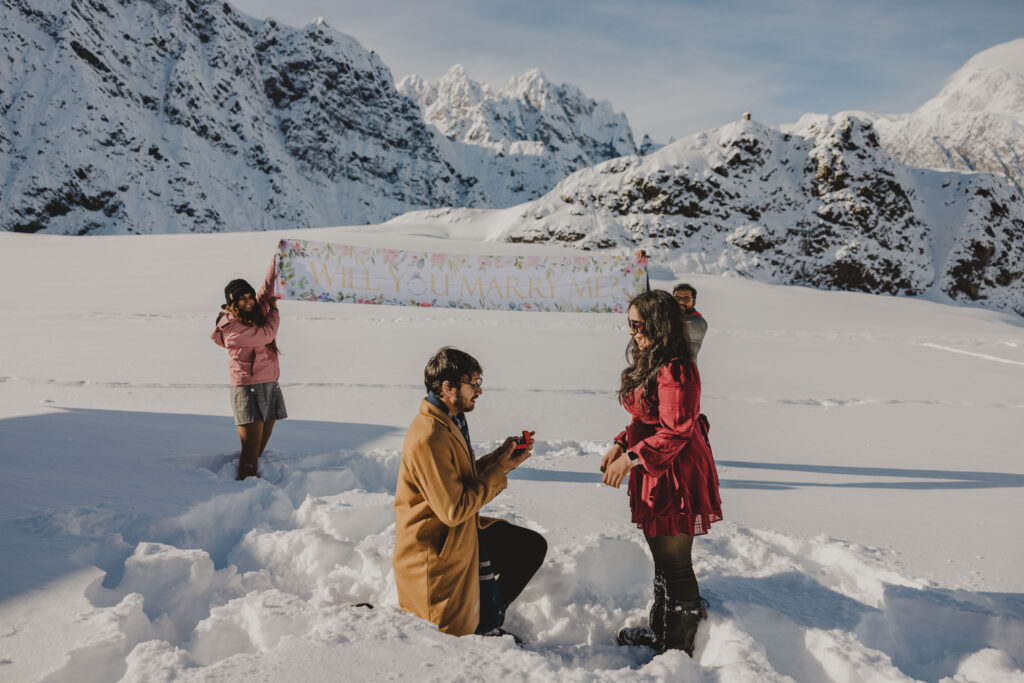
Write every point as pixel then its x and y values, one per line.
pixel 636 326
pixel 684 299
pixel 479 384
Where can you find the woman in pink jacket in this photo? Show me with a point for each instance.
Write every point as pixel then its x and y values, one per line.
pixel 673 483
pixel 247 328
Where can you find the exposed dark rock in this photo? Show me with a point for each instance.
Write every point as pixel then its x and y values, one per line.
pixel 825 206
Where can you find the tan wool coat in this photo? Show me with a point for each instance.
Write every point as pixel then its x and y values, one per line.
pixel 438 498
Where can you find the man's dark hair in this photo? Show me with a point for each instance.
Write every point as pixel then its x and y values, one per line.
pixel 685 285
pixel 448 364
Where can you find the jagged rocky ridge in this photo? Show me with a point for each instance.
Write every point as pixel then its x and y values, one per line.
pixel 519 141
pixel 820 203
pixel 153 116
pixel 157 116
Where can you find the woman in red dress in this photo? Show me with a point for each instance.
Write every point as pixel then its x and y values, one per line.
pixel 673 484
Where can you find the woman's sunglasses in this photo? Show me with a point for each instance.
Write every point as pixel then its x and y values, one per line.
pixel 636 326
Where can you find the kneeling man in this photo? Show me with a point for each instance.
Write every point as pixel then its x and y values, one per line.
pixel 453 567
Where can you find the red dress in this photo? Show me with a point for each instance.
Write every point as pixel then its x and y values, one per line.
pixel 673 488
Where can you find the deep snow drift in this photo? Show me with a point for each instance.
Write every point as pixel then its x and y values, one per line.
pixel 869 450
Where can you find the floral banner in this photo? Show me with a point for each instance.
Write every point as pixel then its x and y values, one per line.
pixel 319 271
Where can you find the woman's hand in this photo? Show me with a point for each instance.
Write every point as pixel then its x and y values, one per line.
pixel 613 453
pixel 615 472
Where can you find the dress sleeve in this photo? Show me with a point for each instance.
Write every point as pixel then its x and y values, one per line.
pixel 677 415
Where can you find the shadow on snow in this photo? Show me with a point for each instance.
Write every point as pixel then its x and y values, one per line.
pixel 84 486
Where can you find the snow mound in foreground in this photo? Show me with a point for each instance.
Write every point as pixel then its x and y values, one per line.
pixel 265 579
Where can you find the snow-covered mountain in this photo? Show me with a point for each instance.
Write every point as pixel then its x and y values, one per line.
pixel 820 203
pixel 975 123
pixel 521 140
pixel 155 116
pixel 152 116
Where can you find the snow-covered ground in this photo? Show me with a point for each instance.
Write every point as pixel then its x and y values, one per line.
pixel 869 450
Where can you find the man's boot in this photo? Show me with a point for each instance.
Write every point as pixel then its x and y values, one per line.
pixel 651 635
pixel 681 620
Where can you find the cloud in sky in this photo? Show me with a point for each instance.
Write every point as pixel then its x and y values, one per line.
pixel 676 67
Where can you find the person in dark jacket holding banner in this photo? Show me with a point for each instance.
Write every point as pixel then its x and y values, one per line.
pixel 247 328
pixel 673 483
pixel 694 323
pixel 453 567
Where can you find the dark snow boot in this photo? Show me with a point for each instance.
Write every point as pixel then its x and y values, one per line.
pixel 247 468
pixel 499 632
pixel 651 635
pixel 681 620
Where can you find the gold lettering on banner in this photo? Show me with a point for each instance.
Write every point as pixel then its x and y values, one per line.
pixel 576 287
pixel 367 287
pixel 329 276
pixel 347 279
pixel 512 285
pixel 541 285
pixel 433 286
pixel 495 287
pixel 467 286
pixel 396 276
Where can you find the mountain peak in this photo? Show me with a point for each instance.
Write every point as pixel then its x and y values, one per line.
pixel 459 90
pixel 532 78
pixel 991 81
pixel 520 141
pixel 1006 56
pixel 975 123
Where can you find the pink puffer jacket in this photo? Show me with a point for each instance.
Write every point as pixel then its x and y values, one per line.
pixel 250 359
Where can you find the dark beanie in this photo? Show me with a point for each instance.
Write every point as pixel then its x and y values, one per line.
pixel 237 288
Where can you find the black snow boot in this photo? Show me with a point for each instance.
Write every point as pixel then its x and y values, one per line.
pixel 651 635
pixel 247 468
pixel 500 632
pixel 681 620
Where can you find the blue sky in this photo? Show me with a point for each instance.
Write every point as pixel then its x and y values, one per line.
pixel 678 67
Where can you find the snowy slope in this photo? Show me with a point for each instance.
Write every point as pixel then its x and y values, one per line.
pixel 143 117
pixel 817 203
pixel 868 449
pixel 519 141
pixel 975 123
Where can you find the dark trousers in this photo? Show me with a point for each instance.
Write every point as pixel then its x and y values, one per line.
pixel 673 566
pixel 516 554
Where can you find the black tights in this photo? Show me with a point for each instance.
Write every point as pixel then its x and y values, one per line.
pixel 673 566
pixel 516 554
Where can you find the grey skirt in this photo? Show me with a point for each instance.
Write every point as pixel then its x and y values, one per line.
pixel 258 403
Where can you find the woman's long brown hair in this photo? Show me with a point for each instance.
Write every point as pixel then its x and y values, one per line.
pixel 254 318
pixel 663 326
